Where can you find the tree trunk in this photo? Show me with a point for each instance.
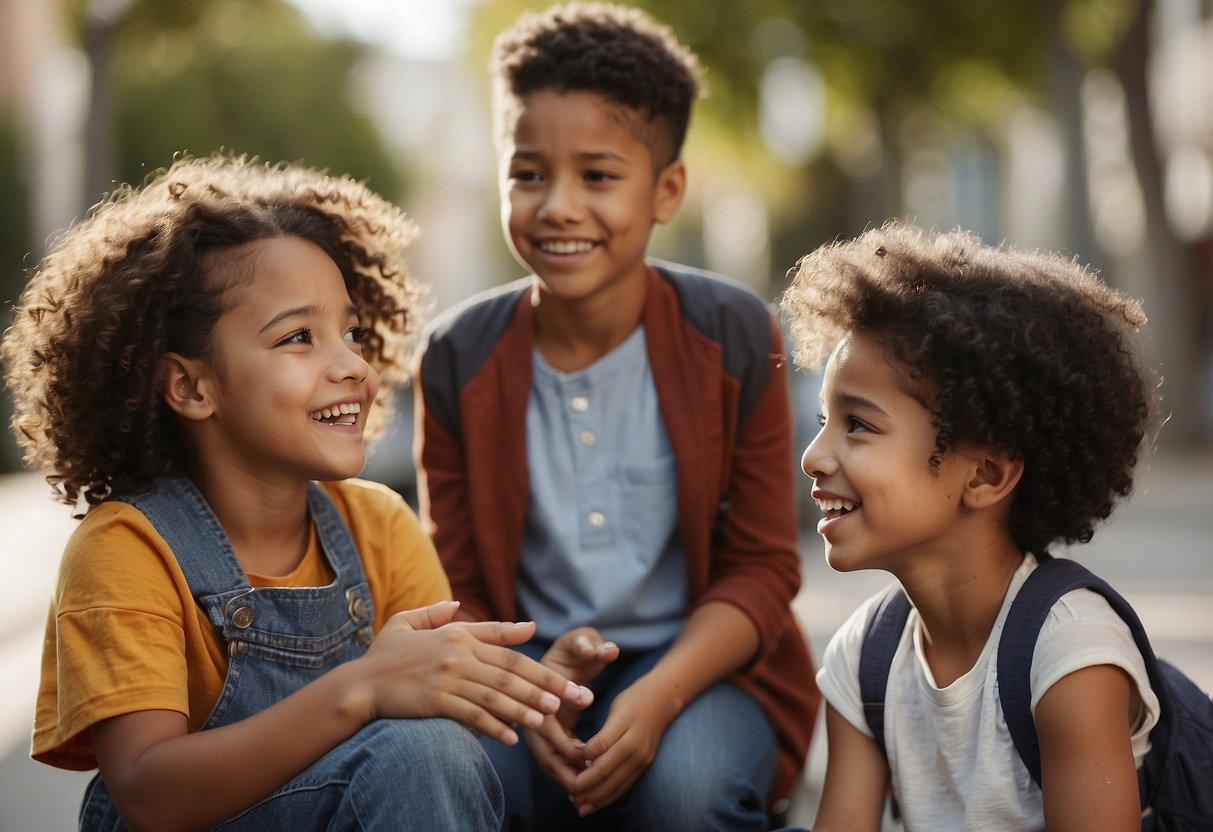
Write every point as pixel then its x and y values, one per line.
pixel 1173 302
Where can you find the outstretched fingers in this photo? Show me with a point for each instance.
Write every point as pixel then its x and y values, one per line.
pixel 496 638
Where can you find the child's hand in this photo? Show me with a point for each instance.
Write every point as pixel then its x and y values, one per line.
pixel 624 749
pixel 580 654
pixel 557 751
pixel 420 665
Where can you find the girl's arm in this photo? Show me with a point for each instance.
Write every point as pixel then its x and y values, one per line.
pixel 1088 774
pixel 163 778
pixel 856 782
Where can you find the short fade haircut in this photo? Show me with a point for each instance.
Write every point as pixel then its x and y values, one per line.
pixel 619 53
pixel 1024 351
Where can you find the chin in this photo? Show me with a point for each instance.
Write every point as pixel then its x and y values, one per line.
pixel 838 561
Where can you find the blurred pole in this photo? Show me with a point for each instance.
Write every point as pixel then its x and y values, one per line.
pixel 1067 74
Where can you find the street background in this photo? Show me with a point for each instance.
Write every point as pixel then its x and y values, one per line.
pixel 1084 126
pixel 1155 550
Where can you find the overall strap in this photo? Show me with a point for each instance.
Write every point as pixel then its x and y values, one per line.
pixel 880 642
pixel 1053 578
pixel 335 539
pixel 182 516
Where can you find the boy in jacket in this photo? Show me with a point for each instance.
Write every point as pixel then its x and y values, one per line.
pixel 605 447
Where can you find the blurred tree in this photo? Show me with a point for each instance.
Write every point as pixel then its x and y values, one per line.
pixel 201 75
pixel 894 72
pixel 1175 296
pixel 196 76
pixel 15 243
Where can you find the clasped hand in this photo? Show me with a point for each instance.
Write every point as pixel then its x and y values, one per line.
pixel 599 771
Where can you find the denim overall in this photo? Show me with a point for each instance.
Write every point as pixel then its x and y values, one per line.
pixel 393 773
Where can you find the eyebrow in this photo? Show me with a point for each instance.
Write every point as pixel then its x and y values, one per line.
pixel 302 312
pixel 861 403
pixel 589 156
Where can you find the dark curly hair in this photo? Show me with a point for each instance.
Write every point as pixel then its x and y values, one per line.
pixel 619 53
pixel 132 282
pixel 1025 351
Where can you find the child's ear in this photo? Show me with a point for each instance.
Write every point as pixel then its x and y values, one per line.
pixel 671 188
pixel 996 474
pixel 184 388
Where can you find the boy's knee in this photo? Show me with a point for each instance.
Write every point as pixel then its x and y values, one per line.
pixel 694 797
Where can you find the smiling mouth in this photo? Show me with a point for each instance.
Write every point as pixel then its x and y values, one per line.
pixel 836 507
pixel 565 246
pixel 345 413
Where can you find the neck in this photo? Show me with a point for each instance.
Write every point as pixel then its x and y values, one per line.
pixel 958 600
pixel 572 335
pixel 267 523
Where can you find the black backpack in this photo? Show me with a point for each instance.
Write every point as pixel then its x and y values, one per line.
pixel 1175 780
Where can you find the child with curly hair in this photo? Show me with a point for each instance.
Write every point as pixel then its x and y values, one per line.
pixel 978 405
pixel 605 446
pixel 231 643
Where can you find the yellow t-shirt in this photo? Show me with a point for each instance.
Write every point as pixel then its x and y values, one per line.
pixel 124 633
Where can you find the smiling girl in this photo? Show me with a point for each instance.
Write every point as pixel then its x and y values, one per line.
pixel 242 636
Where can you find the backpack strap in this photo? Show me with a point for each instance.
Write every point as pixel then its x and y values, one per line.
pixel 1051 579
pixel 880 642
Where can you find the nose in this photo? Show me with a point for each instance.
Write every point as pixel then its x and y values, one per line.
pixel 817 461
pixel 561 202
pixel 347 364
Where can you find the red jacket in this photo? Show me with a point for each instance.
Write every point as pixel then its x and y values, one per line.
pixel 718 365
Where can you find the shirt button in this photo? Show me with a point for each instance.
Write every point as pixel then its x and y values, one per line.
pixel 580 403
pixel 587 437
pixel 597 519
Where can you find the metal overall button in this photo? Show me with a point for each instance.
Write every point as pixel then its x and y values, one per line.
pixel 364 635
pixel 241 617
pixel 237 648
pixel 357 606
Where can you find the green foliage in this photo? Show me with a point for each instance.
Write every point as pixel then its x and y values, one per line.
pixel 197 77
pixel 15 245
pixel 15 232
pixel 283 101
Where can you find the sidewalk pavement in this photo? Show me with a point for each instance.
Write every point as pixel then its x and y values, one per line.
pixel 1155 550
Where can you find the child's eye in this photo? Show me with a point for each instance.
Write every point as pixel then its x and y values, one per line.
pixel 821 419
pixel 856 425
pixel 526 176
pixel 597 176
pixel 358 334
pixel 299 336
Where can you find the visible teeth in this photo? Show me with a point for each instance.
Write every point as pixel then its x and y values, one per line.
pixel 343 409
pixel 565 246
pixel 836 505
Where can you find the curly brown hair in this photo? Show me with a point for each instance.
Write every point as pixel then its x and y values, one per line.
pixel 129 284
pixel 1025 351
pixel 619 53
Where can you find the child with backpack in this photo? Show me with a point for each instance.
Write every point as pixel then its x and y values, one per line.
pixel 242 636
pixel 978 406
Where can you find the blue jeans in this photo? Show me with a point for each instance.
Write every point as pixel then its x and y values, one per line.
pixel 713 769
pixel 423 774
